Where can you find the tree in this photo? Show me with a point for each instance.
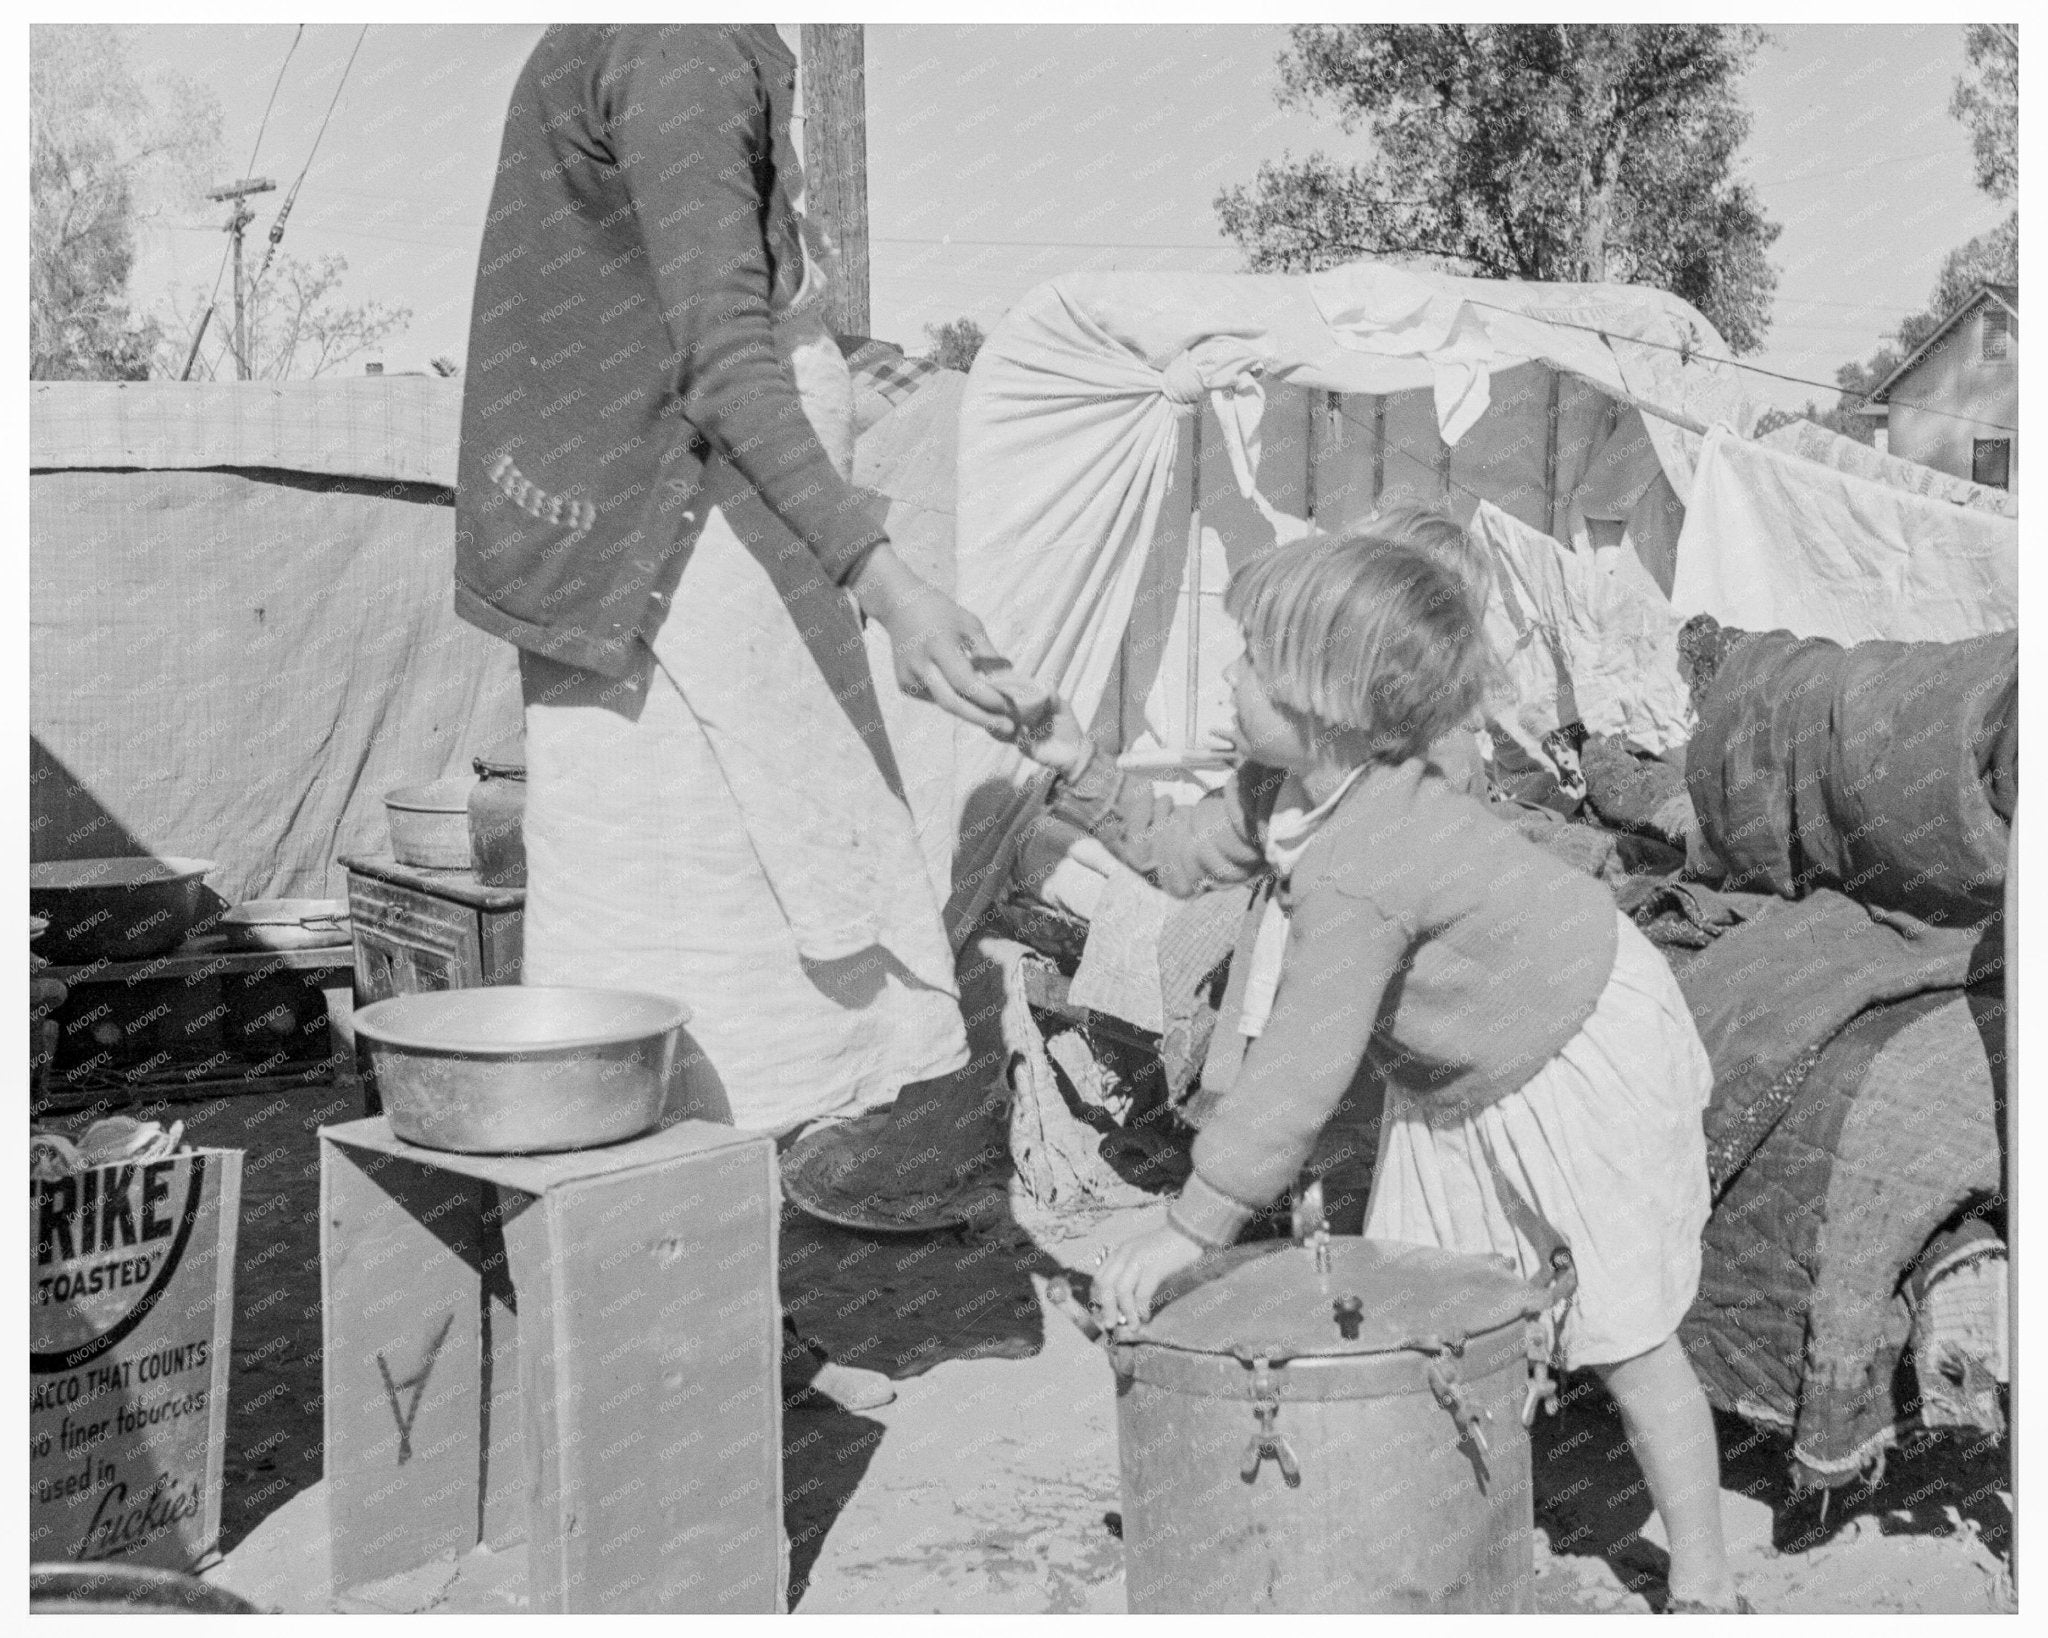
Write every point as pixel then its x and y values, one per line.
pixel 105 149
pixel 953 346
pixel 1990 108
pixel 1990 105
pixel 297 324
pixel 1556 152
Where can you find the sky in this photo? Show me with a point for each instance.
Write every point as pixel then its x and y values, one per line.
pixel 999 156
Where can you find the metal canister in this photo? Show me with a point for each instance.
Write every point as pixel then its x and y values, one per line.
pixel 1334 1427
pixel 497 811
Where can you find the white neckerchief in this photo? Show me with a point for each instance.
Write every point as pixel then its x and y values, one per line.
pixel 1288 833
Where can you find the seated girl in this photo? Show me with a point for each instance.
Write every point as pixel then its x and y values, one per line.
pixel 1543 1080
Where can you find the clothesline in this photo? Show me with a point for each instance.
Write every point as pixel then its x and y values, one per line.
pixel 1687 354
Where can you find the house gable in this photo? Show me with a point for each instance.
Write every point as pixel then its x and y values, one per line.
pixel 2000 299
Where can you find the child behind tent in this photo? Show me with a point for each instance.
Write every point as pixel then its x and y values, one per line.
pixel 1461 753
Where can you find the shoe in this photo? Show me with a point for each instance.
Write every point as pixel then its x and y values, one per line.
pixel 808 1370
pixel 851 1388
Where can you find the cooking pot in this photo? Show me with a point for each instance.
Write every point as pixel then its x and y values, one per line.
pixel 115 909
pixel 521 1068
pixel 430 824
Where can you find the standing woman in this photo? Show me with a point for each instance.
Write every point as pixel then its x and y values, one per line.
pixel 653 505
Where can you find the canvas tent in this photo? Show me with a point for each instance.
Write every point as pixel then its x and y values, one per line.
pixel 241 628
pixel 1126 441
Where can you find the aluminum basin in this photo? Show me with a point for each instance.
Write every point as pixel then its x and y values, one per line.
pixel 521 1069
pixel 116 909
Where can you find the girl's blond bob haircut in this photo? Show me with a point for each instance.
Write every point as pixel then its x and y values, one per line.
pixel 1440 538
pixel 1365 634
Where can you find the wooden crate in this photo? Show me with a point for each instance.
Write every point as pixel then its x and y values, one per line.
pixel 581 1351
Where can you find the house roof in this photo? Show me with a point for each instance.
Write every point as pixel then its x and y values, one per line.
pixel 2005 295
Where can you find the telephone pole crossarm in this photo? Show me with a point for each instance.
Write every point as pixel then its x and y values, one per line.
pixel 237 194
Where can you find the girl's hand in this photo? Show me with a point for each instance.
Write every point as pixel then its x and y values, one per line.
pixel 1127 1282
pixel 1047 731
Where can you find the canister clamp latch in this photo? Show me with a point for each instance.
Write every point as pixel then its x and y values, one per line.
pixel 1268 1441
pixel 1442 1376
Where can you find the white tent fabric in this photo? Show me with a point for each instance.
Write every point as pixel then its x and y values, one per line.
pixel 1584 637
pixel 1774 542
pixel 1814 442
pixel 1072 421
pixel 393 429
pixel 1627 499
pixel 241 634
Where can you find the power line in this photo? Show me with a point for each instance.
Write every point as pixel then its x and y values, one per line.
pixel 291 197
pixel 353 232
pixel 1855 306
pixel 1846 170
pixel 250 170
pixel 1038 244
pixel 1439 470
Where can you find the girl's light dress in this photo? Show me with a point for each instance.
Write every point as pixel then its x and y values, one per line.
pixel 1604 1146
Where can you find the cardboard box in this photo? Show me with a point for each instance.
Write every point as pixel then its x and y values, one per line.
pixel 131 1304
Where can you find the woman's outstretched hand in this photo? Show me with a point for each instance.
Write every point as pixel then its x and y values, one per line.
pixel 934 640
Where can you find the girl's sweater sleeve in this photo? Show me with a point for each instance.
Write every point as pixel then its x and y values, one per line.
pixel 1183 850
pixel 1343 951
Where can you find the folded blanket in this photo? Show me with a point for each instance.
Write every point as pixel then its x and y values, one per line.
pixel 1681 915
pixel 1852 1114
pixel 1591 849
pixel 1778 985
pixel 1801 1321
pixel 1643 794
pixel 1885 770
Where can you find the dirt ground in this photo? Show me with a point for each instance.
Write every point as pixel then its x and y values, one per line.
pixel 991 1484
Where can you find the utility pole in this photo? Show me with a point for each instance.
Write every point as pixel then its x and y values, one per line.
pixel 835 155
pixel 238 220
